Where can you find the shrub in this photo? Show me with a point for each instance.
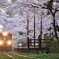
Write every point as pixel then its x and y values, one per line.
pixel 47 37
pixel 54 46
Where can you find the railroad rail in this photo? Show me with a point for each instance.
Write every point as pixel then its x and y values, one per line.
pixel 15 55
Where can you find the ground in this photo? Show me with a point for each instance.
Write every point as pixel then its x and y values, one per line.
pixel 16 55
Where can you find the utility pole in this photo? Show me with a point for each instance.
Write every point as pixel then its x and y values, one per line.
pixel 41 26
pixel 27 29
pixel 34 27
pixel 34 6
pixel 27 26
pixel 34 22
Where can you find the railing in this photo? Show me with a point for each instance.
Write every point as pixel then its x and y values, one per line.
pixel 38 43
pixel 31 43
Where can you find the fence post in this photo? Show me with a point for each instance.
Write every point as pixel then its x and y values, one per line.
pixel 28 42
pixel 39 42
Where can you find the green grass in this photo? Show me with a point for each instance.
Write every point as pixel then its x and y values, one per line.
pixel 43 55
pixel 3 56
pixel 26 54
pixel 17 56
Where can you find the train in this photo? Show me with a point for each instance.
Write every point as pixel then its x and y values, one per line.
pixel 6 41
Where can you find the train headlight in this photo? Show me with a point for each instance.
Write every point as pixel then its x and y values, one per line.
pixel 9 42
pixel 5 33
pixel 0 42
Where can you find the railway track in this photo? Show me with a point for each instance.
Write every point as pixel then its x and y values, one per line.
pixel 9 55
pixel 26 57
pixel 3 55
pixel 12 55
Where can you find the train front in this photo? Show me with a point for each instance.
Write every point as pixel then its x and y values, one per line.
pixel 5 41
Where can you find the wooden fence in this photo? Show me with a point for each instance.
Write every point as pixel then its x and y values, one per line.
pixel 35 46
pixel 39 44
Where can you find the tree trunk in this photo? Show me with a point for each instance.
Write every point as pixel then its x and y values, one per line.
pixel 54 26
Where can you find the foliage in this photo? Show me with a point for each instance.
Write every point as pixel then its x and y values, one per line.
pixel 49 5
pixel 49 36
pixel 9 13
pixel 50 8
pixel 57 27
pixel 22 40
pixel 43 55
pixel 26 54
pixel 54 46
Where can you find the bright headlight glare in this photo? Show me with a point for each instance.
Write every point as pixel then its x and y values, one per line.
pixel 9 42
pixel 5 33
pixel 0 42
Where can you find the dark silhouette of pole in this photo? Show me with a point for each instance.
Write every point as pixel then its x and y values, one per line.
pixel 34 22
pixel 34 27
pixel 27 26
pixel 27 31
pixel 41 26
